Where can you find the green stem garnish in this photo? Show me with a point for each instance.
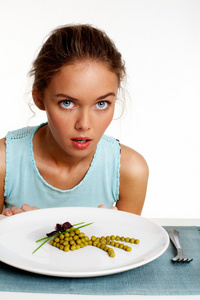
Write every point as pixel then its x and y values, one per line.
pixel 46 239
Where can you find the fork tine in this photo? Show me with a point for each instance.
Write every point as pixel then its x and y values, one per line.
pixel 189 260
pixel 186 259
pixel 179 260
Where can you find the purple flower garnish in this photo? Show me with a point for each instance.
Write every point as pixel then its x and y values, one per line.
pixel 66 226
pixel 60 228
pixel 52 233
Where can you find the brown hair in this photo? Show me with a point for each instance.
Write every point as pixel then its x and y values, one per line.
pixel 67 44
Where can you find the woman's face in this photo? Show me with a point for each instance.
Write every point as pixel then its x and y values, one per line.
pixel 80 102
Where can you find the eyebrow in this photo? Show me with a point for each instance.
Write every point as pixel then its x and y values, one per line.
pixel 72 98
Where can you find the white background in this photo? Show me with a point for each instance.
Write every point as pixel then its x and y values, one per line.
pixel 160 42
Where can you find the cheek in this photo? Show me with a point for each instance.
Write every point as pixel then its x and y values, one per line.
pixel 108 120
pixel 56 118
pixel 105 122
pixel 57 124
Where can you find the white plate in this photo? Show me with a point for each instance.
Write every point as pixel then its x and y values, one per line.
pixel 18 235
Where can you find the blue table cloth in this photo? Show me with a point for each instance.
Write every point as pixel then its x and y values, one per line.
pixel 159 277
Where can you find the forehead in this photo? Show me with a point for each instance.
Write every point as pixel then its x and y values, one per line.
pixel 85 74
pixel 88 66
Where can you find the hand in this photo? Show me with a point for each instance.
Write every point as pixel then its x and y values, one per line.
pixel 103 206
pixel 16 210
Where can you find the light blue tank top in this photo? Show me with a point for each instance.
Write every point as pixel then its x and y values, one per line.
pixel 24 184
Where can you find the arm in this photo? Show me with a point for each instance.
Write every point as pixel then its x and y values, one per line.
pixel 14 210
pixel 134 174
pixel 2 171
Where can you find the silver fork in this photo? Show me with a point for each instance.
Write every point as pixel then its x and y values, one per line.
pixel 173 235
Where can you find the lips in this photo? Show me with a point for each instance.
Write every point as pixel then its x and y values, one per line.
pixel 81 142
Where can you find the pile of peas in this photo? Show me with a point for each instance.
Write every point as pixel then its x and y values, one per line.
pixel 75 240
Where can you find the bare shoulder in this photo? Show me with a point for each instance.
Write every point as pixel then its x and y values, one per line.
pixel 2 170
pixel 132 163
pixel 134 173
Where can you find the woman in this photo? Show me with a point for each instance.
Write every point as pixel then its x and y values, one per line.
pixel 68 161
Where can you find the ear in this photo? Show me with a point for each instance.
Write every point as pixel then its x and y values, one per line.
pixel 37 98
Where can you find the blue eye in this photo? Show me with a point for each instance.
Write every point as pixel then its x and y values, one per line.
pixel 67 104
pixel 102 104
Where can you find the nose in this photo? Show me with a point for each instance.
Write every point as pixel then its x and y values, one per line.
pixel 83 121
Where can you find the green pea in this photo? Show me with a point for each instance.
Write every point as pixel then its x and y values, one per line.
pixel 95 243
pixel 103 245
pixel 66 248
pixel 121 246
pixel 111 254
pixel 78 242
pixel 81 235
pixel 98 245
pixel 76 237
pixel 106 248
pixel 128 248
